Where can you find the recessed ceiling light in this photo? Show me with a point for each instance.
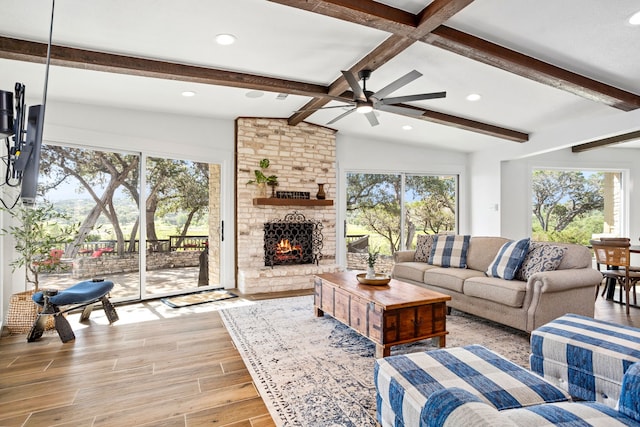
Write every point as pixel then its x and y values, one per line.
pixel 407 127
pixel 225 39
pixel 188 93
pixel 473 97
pixel 254 94
pixel 635 18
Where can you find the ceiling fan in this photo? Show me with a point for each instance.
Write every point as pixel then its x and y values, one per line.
pixel 365 101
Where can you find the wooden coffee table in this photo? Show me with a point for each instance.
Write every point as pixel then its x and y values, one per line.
pixel 388 315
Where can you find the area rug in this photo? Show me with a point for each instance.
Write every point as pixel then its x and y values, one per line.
pixel 314 371
pixel 200 297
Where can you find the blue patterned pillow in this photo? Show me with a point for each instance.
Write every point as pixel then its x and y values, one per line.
pixel 424 243
pixel 541 257
pixel 509 259
pixel 450 251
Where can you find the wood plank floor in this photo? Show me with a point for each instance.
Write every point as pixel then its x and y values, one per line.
pixel 155 367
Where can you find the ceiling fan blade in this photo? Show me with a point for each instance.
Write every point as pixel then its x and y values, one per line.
pixel 392 87
pixel 405 111
pixel 409 98
pixel 355 87
pixel 346 113
pixel 373 120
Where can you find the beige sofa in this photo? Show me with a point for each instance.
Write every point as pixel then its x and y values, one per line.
pixel 524 305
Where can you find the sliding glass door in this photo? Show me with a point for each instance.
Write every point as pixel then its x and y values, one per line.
pixel 385 212
pixel 179 240
pixel 174 249
pixel 99 191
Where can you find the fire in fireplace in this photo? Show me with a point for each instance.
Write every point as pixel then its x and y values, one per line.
pixel 292 240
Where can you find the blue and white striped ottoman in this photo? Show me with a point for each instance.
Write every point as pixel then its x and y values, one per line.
pixel 584 356
pixel 404 382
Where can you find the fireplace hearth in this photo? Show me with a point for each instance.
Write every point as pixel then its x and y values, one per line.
pixel 292 240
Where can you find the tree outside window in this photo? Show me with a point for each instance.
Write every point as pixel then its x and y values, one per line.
pixel 575 206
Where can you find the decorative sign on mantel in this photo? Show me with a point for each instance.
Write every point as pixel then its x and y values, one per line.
pixel 274 201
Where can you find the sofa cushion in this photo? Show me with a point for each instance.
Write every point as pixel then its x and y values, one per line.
pixel 411 270
pixel 450 251
pixel 509 259
pixel 424 243
pixel 450 278
pixel 507 292
pixel 576 256
pixel 540 257
pixel 482 250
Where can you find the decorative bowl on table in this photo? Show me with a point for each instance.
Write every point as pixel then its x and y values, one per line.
pixel 380 279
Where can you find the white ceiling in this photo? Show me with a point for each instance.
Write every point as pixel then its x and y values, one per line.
pixel 588 37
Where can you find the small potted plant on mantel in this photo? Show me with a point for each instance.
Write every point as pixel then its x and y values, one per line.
pixel 37 232
pixel 262 180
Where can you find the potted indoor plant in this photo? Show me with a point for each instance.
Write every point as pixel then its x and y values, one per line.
pixel 262 179
pixel 40 236
pixel 372 257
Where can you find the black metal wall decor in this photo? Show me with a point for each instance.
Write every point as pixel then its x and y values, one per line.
pixel 292 240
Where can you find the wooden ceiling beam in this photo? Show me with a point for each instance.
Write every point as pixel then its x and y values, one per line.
pixel 525 66
pixel 407 30
pixel 612 140
pixel 362 12
pixel 22 50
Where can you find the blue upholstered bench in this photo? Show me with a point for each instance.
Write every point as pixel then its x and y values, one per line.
pixel 81 295
pixel 405 382
pixel 585 357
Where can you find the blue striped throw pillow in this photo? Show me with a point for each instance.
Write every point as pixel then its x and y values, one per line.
pixel 509 259
pixel 450 251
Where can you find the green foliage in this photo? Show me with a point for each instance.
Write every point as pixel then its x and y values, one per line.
pixel 261 177
pixel 373 203
pixel 561 197
pixel 372 258
pixel 579 231
pixel 38 231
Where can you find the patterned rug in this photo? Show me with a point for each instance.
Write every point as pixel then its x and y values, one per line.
pixel 200 297
pixel 314 371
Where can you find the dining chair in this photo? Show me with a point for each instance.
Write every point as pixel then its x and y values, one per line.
pixel 617 259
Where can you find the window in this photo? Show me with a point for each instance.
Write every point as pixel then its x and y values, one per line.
pixel 385 212
pixel 576 205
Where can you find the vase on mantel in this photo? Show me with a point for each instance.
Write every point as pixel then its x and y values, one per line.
pixel 321 195
pixel 262 190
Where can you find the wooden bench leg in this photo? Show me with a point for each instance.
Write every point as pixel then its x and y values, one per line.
pixel 109 310
pixel 86 312
pixel 64 329
pixel 38 327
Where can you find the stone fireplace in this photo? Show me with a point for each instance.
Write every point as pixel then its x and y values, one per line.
pixel 302 157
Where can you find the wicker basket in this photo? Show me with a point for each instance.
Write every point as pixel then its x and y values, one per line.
pixel 23 312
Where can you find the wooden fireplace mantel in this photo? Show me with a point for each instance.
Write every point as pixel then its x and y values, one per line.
pixel 274 201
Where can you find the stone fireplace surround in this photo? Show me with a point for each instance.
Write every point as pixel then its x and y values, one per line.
pixel 301 157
